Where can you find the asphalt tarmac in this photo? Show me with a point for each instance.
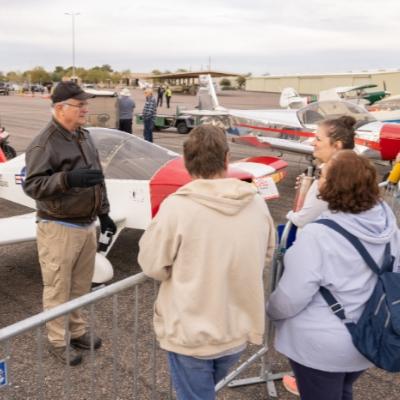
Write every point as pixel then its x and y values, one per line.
pixel 20 286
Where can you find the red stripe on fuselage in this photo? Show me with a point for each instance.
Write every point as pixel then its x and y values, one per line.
pixel 363 142
pixel 285 131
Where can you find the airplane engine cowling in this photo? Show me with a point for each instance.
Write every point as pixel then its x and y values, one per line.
pixel 389 141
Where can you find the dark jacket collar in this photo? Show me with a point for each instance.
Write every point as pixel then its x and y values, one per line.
pixel 67 134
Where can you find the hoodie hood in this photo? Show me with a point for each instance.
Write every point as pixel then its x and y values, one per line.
pixel 227 196
pixel 376 225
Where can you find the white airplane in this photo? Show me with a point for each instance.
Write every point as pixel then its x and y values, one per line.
pixel 294 129
pixel 139 176
pixel 355 94
pixel 387 109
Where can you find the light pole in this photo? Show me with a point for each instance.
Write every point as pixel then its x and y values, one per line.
pixel 73 14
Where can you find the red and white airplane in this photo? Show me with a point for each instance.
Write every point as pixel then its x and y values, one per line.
pixel 294 129
pixel 139 176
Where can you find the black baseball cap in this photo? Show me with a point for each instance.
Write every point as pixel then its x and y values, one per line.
pixel 69 90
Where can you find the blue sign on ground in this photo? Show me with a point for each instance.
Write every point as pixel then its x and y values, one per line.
pixel 3 373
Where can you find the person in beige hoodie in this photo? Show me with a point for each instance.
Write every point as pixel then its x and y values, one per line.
pixel 208 246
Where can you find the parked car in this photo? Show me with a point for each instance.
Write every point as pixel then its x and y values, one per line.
pixel 38 88
pixel 34 88
pixel 4 89
pixel 14 87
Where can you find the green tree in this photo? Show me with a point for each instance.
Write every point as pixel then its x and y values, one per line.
pixel 156 72
pixel 39 75
pixel 57 74
pixel 106 67
pixel 97 75
pixel 241 80
pixel 15 76
pixel 116 77
pixel 225 82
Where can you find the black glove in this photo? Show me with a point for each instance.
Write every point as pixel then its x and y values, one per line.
pixel 84 177
pixel 107 224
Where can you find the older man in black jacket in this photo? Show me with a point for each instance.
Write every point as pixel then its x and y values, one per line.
pixel 64 176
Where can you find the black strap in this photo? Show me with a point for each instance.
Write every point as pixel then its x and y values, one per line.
pixel 334 305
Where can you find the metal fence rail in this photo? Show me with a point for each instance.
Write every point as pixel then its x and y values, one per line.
pixel 391 194
pixel 130 364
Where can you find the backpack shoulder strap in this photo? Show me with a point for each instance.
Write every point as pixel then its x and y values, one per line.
pixel 333 304
pixel 354 241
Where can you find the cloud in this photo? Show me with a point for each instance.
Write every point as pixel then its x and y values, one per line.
pixel 251 34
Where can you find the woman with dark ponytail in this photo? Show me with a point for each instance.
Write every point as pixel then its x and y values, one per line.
pixel 332 135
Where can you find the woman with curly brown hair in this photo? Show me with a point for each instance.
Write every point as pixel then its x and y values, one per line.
pixel 317 343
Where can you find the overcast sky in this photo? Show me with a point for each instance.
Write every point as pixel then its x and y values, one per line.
pixel 258 36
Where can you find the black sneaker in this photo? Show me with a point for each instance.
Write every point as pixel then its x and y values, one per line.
pixel 83 342
pixel 60 353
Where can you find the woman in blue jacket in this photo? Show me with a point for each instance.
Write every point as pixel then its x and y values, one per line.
pixel 318 345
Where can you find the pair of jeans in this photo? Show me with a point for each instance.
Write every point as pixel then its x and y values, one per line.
pixel 125 125
pixel 314 384
pixel 194 378
pixel 148 129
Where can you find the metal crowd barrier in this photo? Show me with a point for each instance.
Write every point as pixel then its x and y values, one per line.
pixel 131 367
pixel 391 194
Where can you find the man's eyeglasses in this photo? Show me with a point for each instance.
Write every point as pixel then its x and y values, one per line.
pixel 80 105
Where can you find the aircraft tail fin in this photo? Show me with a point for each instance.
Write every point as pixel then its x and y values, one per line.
pixel 144 85
pixel 207 97
pixel 291 99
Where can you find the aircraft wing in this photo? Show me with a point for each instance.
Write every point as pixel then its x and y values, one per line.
pixel 345 89
pixel 287 118
pixel 17 229
pixel 22 228
pixel 205 113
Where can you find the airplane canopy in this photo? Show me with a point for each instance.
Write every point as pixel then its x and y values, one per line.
pixel 125 156
pixel 315 113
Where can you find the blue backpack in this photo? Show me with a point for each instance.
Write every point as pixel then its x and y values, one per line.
pixel 376 335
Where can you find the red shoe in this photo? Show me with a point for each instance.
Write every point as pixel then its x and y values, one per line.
pixel 290 384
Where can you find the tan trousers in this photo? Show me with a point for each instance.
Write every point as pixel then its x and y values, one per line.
pixel 67 257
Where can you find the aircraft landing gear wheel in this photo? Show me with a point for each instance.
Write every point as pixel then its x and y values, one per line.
pixel 9 151
pixel 182 128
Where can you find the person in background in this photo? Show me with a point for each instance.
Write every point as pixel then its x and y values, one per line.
pixel 64 176
pixel 149 114
pixel 126 107
pixel 319 347
pixel 394 176
pixel 207 245
pixel 160 95
pixel 168 95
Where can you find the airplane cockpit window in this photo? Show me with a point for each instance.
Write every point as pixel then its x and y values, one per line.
pixel 315 113
pixel 125 156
